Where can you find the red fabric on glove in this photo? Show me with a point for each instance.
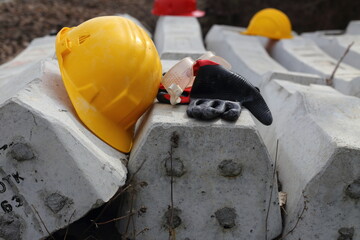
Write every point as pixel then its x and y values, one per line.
pixel 200 63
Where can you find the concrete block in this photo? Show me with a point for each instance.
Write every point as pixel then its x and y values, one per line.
pixel 318 158
pixel 248 56
pixel 353 27
pixel 52 169
pixel 178 37
pixel 302 55
pixel 335 45
pixel 39 48
pixel 245 53
pixel 221 189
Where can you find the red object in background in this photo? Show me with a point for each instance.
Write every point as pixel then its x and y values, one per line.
pixel 176 8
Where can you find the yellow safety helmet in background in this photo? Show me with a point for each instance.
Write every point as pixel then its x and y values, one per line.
pixel 111 71
pixel 271 23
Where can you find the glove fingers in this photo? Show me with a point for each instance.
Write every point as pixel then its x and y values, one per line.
pixel 260 110
pixel 232 111
pixel 215 82
pixel 205 109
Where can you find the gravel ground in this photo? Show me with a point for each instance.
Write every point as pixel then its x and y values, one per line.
pixel 23 20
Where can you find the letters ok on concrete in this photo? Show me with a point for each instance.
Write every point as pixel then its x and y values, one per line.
pixel 178 37
pixel 52 169
pixel 318 158
pixel 222 178
pixel 302 55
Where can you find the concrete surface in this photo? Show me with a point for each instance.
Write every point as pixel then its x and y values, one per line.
pixel 318 158
pixel 335 45
pixel 221 189
pixel 248 56
pixel 353 27
pixel 178 37
pixel 52 169
pixel 38 49
pixel 302 55
pixel 304 117
pixel 245 53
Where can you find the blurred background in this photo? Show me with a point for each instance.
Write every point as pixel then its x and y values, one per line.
pixel 23 20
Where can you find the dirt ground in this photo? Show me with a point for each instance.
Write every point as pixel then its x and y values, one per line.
pixel 23 20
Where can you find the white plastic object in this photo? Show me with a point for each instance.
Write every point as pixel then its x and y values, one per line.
pixel 210 56
pixel 178 78
pixel 175 91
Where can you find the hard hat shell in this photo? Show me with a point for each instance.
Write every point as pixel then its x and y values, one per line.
pixel 271 23
pixel 111 71
pixel 176 8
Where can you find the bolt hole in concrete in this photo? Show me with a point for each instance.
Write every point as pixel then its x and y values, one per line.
pixel 346 233
pixel 226 217
pixel 353 190
pixel 21 152
pixel 229 168
pixel 175 215
pixel 56 202
pixel 178 168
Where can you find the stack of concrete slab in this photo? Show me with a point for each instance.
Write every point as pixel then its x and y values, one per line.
pixel 302 55
pixel 318 158
pixel 335 43
pixel 194 184
pixel 52 169
pixel 319 148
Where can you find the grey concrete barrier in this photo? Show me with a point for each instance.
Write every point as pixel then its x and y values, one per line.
pixel 178 37
pixel 311 146
pixel 53 170
pixel 302 55
pixel 336 45
pixel 200 180
pixel 317 159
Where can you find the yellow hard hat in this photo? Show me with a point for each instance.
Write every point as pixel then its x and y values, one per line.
pixel 271 23
pixel 111 71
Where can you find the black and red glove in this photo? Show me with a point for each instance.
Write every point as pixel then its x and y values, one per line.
pixel 218 92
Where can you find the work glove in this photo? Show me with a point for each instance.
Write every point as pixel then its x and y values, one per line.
pixel 214 82
pixel 208 109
